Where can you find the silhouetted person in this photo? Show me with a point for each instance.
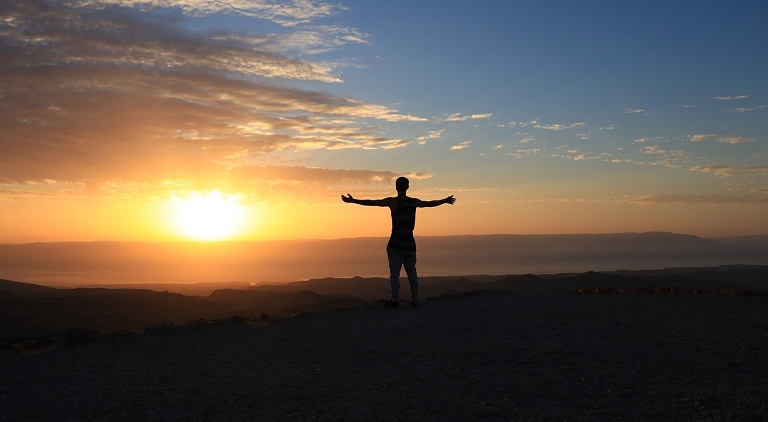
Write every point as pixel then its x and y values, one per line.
pixel 401 249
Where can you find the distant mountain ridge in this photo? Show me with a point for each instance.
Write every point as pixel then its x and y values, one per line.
pixel 87 263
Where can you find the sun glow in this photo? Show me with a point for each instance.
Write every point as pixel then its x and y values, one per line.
pixel 209 215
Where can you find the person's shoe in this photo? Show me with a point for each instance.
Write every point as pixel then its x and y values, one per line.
pixel 414 304
pixel 391 304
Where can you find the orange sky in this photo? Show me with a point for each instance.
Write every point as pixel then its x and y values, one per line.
pixel 539 117
pixel 156 219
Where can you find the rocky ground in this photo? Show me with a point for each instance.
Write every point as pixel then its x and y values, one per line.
pixel 670 357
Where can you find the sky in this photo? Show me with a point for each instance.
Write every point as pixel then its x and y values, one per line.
pixel 165 120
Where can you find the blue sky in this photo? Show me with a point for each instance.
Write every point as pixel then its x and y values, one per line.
pixel 541 116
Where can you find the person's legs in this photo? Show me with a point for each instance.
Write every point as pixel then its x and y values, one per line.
pixel 395 262
pixel 409 262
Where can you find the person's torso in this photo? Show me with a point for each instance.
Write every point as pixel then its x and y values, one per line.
pixel 403 223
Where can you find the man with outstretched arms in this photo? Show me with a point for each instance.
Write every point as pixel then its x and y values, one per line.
pixel 401 249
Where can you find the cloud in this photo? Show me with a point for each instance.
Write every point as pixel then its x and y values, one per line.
pixel 389 144
pixel 671 163
pixel 322 176
pixel 661 156
pixel 514 124
pixel 103 97
pixel 699 199
pixel 287 12
pixel 733 140
pixel 432 134
pixel 254 183
pixel 457 117
pixel 526 152
pixel 643 140
pixel 653 150
pixel 581 157
pixel 735 97
pixel 633 111
pixel 557 126
pixel 730 171
pixel 747 110
pixel 701 137
pixel 461 146
pixel 53 35
pixel 310 41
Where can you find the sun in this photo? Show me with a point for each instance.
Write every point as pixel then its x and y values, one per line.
pixel 208 215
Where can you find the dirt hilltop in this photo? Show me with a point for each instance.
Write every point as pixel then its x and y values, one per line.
pixel 554 356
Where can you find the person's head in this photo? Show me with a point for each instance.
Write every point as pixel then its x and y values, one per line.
pixel 401 184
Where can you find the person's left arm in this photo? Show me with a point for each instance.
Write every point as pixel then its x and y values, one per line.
pixel 426 204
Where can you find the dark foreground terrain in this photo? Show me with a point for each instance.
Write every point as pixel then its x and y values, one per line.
pixel 536 356
pixel 36 317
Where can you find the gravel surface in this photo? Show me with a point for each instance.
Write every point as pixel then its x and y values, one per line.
pixel 612 357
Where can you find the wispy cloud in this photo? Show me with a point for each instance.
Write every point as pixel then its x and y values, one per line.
pixel 643 140
pixel 54 35
pixel 515 124
pixel 700 199
pixel 310 41
pixel 105 96
pixel 749 109
pixel 253 183
pixel 526 152
pixel 322 176
pixel 461 146
pixel 731 98
pixel 432 134
pixel 580 157
pixel 662 156
pixel 633 111
pixel 653 150
pixel 721 170
pixel 458 117
pixel 557 126
pixel 733 140
pixel 701 137
pixel 287 12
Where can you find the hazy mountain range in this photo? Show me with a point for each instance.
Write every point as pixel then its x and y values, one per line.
pixel 110 263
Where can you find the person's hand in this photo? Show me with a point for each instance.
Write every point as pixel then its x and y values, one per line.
pixel 347 198
pixel 450 200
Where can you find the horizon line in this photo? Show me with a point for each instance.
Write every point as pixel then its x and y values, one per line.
pixel 212 242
